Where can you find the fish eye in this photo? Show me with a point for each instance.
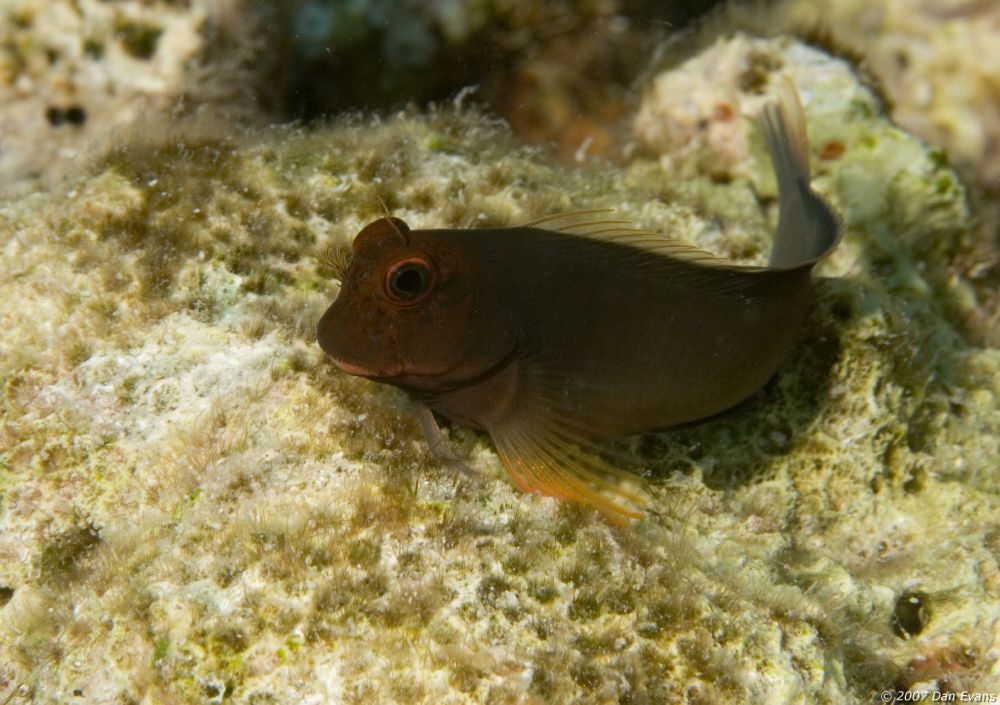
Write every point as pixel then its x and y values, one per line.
pixel 409 281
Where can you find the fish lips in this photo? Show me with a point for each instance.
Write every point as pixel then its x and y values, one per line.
pixel 386 371
pixel 400 374
pixel 397 374
pixel 389 369
pixel 367 372
pixel 398 369
pixel 330 337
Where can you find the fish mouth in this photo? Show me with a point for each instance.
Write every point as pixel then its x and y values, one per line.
pixel 390 375
pixel 402 373
pixel 368 372
pixel 380 374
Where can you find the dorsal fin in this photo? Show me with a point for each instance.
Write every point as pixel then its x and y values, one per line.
pixel 594 225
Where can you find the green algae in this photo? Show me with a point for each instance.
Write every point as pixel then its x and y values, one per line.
pixel 138 38
pixel 60 558
pixel 265 520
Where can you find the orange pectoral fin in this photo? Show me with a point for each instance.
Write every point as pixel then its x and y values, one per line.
pixel 544 463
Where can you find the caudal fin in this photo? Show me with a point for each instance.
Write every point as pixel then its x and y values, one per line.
pixel 808 229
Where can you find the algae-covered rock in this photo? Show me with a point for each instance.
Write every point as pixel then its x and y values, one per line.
pixel 197 508
pixel 76 73
pixel 934 62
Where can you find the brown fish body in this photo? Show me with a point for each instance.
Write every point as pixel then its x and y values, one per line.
pixel 549 339
pixel 627 340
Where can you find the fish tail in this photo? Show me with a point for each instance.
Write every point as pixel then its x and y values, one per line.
pixel 808 229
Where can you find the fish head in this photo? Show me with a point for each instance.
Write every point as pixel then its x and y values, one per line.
pixel 412 312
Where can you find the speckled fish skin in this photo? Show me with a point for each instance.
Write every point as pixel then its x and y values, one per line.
pixel 550 339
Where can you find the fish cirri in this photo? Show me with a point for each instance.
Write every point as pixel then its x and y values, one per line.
pixel 556 334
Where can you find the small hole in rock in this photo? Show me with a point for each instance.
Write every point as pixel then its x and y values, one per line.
pixel 55 116
pixel 910 615
pixel 75 115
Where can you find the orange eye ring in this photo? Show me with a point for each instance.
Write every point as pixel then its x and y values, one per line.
pixel 409 281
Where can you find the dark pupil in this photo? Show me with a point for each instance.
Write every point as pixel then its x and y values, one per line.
pixel 409 281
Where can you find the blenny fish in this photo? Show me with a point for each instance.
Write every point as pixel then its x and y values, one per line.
pixel 567 331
